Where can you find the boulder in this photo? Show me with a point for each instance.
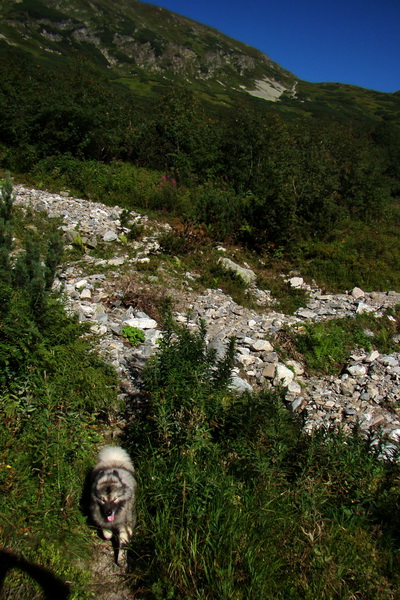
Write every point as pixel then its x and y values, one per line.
pixel 283 375
pixel 240 385
pixel 247 275
pixel 296 282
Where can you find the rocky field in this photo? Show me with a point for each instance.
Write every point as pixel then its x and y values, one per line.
pixel 366 391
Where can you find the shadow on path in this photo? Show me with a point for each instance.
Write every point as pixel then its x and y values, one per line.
pixel 53 587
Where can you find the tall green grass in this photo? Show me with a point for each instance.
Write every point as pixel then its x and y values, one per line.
pixel 236 502
pixel 327 345
pixel 355 254
pixel 55 393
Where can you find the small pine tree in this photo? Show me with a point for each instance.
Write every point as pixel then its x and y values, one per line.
pixel 53 257
pixel 6 214
pixel 6 202
pixel 32 275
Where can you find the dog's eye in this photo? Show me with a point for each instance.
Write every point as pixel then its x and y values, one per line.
pixel 102 500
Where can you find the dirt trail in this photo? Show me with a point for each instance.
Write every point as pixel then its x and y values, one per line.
pixel 110 581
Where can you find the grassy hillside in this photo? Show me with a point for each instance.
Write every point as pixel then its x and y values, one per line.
pixel 238 503
pixel 147 47
pixel 313 178
pixel 137 41
pixel 55 396
pixel 235 502
pixel 346 103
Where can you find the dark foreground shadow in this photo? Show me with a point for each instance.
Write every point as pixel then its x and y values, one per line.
pixel 53 587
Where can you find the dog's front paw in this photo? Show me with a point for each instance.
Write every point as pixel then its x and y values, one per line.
pixel 124 535
pixel 107 534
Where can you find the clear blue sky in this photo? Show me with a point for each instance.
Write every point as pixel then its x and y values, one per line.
pixel 344 41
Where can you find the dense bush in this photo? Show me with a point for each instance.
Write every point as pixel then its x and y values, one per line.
pixel 253 174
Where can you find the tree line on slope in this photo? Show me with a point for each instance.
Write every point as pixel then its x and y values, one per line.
pixel 251 173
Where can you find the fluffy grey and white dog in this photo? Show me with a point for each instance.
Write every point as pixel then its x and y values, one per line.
pixel 113 494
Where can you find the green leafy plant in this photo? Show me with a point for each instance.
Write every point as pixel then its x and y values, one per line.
pixel 134 335
pixel 287 298
pixel 326 346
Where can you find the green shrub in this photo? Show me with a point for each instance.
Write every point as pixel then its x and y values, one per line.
pixel 326 345
pixel 287 298
pixel 134 335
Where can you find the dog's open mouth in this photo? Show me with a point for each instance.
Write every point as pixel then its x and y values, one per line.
pixel 110 518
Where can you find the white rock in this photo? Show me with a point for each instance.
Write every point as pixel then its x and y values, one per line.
pixel 153 335
pixel 247 275
pixel 296 404
pixel 389 361
pixel 294 387
pixel 296 282
pixel 296 366
pixel 141 323
pixel 363 308
pixel 243 350
pixel 87 310
pixel 357 370
pixel 240 385
pixel 81 284
pixel 283 375
pixel 347 387
pixel 246 359
pixel 329 404
pixel 357 293
pixel 262 346
pixel 85 294
pixel 372 356
pixel 99 329
pixel 306 313
pixel 358 357
pixel 110 236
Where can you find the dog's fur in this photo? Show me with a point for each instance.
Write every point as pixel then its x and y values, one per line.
pixel 113 494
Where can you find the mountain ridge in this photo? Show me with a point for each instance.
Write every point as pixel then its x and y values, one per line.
pixel 135 39
pixel 149 48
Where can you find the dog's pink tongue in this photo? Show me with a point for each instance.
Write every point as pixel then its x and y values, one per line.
pixel 110 518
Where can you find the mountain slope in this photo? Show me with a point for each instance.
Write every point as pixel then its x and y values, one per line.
pixel 141 42
pixel 148 49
